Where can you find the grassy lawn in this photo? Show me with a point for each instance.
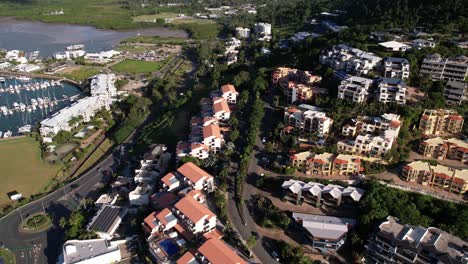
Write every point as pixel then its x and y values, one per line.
pixel 174 19
pixel 136 67
pixel 81 73
pixel 7 256
pixel 107 14
pixel 105 146
pixel 22 168
pixel 201 31
pixel 36 222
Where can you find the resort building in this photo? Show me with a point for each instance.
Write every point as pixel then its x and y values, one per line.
pixel 327 164
pixel 103 85
pixel 347 165
pixel 84 108
pixel 455 69
pixel 440 121
pixel 395 242
pixel 456 92
pixel 317 194
pixel 355 89
pixel 422 43
pixel 242 33
pixel 93 251
pixel 441 149
pixel 194 216
pixel 228 92
pixel 296 85
pixel 196 178
pixel 350 60
pixel 307 118
pixel 324 233
pixel 398 68
pixel 140 195
pixel 366 142
pixel 394 46
pixel 107 220
pixel 391 90
pixel 439 176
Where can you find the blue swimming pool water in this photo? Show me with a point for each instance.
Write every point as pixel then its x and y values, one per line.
pixel 169 246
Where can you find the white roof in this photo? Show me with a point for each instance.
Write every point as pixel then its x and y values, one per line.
pixel 75 251
pixel 64 115
pixel 325 227
pixel 393 44
pixel 354 193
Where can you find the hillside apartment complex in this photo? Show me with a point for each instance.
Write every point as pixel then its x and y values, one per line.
pixel 355 89
pixel 456 92
pixel 441 177
pixel 206 136
pixel 396 68
pixel 440 121
pixel 373 136
pixel 395 242
pixel 391 90
pixel 103 93
pixel 307 118
pixel 326 164
pixel 442 68
pixel 350 60
pixel 296 85
pixel 441 149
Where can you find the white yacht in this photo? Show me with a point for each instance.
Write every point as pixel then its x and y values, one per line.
pixel 24 129
pixel 7 134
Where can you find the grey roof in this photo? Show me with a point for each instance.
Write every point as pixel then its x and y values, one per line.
pixel 391 81
pixel 398 60
pixel 325 227
pixel 106 218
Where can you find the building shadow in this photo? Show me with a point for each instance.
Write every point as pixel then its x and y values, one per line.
pixel 55 235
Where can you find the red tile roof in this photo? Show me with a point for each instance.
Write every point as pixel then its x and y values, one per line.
pixel 215 233
pixel 221 106
pixel 217 252
pixel 167 179
pixel 149 220
pixel 456 117
pixel 228 88
pixel 395 124
pixel 161 216
pixel 186 258
pixel 193 210
pixel 459 181
pixel 340 161
pixel 193 172
pixel 164 199
pixel 211 131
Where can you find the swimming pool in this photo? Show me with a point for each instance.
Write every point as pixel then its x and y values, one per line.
pixel 169 246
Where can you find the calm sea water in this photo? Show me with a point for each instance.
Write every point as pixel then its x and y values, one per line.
pixel 51 38
pixel 18 119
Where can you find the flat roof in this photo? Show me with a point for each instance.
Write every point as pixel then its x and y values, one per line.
pixel 325 227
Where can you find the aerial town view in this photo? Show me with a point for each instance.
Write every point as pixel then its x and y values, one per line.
pixel 233 131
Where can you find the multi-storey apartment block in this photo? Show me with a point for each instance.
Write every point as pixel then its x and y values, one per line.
pixel 355 89
pixel 242 33
pixel 327 164
pixel 439 148
pixel 396 68
pixel 308 119
pixel 387 128
pixel 440 121
pixel 351 60
pixel 441 177
pixel 228 92
pixel 296 85
pixel 392 91
pixel 456 92
pixel 448 69
pixel 395 242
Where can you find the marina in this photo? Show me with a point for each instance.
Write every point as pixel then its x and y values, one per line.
pixel 25 101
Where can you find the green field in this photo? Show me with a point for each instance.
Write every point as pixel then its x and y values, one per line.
pixel 7 256
pixel 82 73
pixel 136 67
pixel 107 14
pixel 154 40
pixel 22 169
pixel 173 19
pixel 99 153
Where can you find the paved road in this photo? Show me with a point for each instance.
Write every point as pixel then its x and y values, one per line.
pixel 245 225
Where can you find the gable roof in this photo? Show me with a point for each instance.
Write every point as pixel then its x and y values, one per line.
pixel 217 252
pixel 193 172
pixel 192 209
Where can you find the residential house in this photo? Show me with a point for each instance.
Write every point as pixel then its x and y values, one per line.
pixel 455 69
pixel 347 165
pixel 228 92
pixel 394 46
pixel 396 68
pixel 441 121
pixel 194 216
pixel 395 242
pixel 170 182
pixel 391 90
pixel 422 43
pixel 196 178
pixel 158 223
pixel 355 89
pixel 324 233
pixel 456 92
pixel 308 118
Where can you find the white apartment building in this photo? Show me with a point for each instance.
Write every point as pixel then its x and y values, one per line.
pixel 228 92
pixel 242 33
pixel 355 89
pixel 448 69
pixel 262 29
pixel 392 91
pixel 308 118
pixel 161 222
pixel 423 43
pixel 221 109
pixel 92 251
pixel 456 92
pixel 196 217
pixel 196 178
pixel 348 59
pixel 212 138
pixel 103 85
pixel 141 195
pixel 396 68
pixel 85 108
pixel 170 182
